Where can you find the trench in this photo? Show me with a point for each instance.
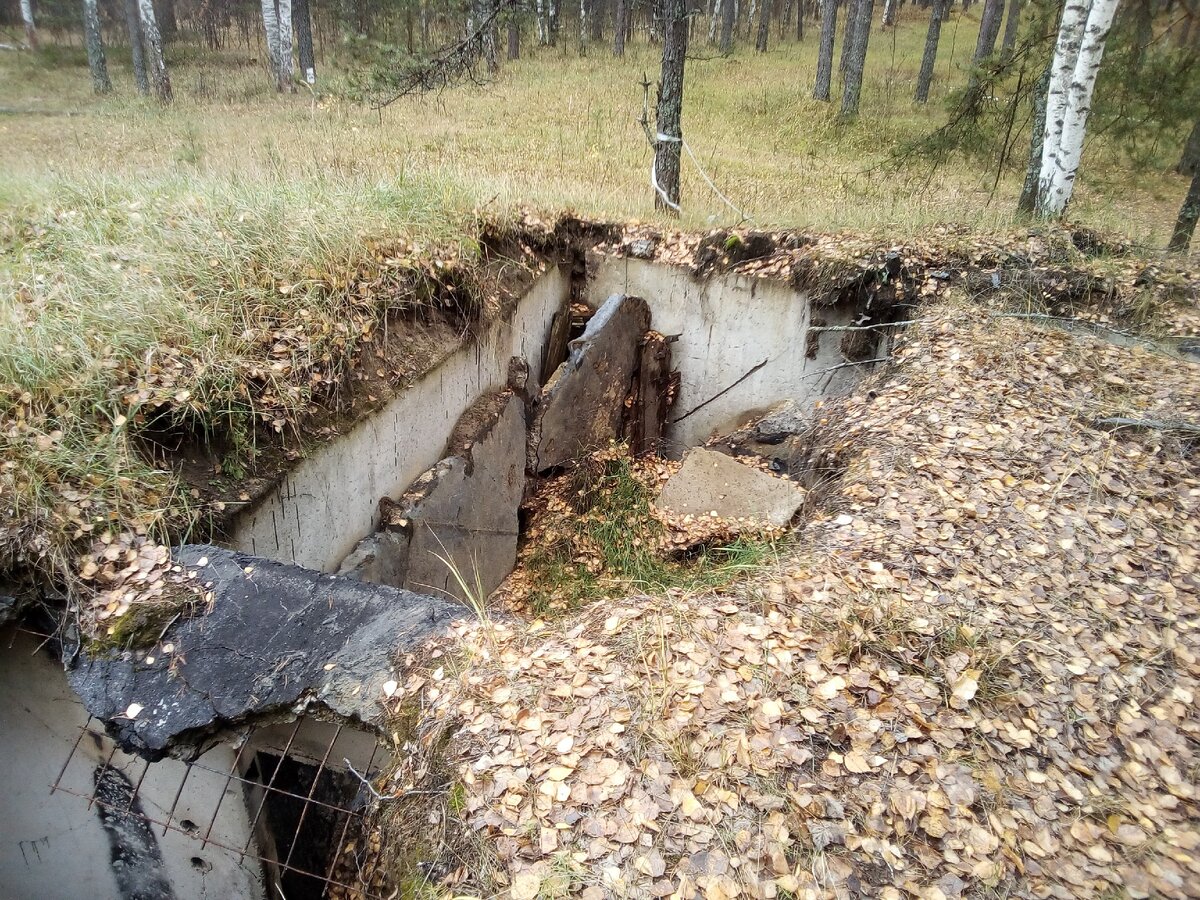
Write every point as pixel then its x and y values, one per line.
pixel 421 496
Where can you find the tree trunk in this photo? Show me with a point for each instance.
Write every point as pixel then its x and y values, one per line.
pixel 668 142
pixel 728 15
pixel 287 81
pixel 134 25
pixel 715 18
pixel 852 89
pixel 95 48
pixel 271 30
pixel 152 41
pixel 1011 29
pixel 937 12
pixel 514 38
pixel 800 4
pixel 164 12
pixel 620 25
pixel 1029 191
pixel 848 35
pixel 597 21
pixel 1185 225
pixel 1081 43
pixel 989 27
pixel 889 13
pixel 31 35
pixel 1189 162
pixel 302 25
pixel 764 27
pixel 583 23
pixel 825 50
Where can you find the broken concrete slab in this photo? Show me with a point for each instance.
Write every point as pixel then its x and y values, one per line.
pixel 274 640
pixel 583 406
pixel 463 511
pixel 709 482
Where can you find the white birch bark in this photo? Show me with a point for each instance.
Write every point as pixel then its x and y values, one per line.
pixel 286 82
pixel 1060 163
pixel 541 21
pixel 31 37
pixel 1062 66
pixel 583 23
pixel 152 42
pixel 889 13
pixel 713 15
pixel 271 27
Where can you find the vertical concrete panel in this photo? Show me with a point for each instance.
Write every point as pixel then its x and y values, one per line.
pixel 329 501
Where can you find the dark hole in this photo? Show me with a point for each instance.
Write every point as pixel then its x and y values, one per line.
pixel 303 841
pixel 188 825
pixel 201 865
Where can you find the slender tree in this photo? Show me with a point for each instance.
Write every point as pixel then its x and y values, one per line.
pixel 1189 162
pixel 825 50
pixel 728 16
pixel 95 48
pixel 514 37
pixel 1029 191
pixel 889 13
pixel 597 21
pixel 31 35
pixel 302 25
pixel 620 26
pixel 1185 225
pixel 848 35
pixel 152 41
pixel 669 140
pixel 285 74
pixel 271 31
pixel 852 89
pixel 1077 56
pixel 1011 27
pixel 134 25
pixel 937 12
pixel 989 28
pixel 764 27
pixel 800 4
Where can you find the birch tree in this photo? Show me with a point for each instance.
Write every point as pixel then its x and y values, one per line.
pixel 937 12
pixel 889 13
pixel 95 48
pixel 668 142
pixel 134 25
pixel 152 42
pixel 31 35
pixel 302 25
pixel 285 80
pixel 825 50
pixel 764 27
pixel 271 31
pixel 1078 52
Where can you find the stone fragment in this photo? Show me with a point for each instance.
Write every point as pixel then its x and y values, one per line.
pixel 274 640
pixel 463 511
pixel 582 408
pixel 711 482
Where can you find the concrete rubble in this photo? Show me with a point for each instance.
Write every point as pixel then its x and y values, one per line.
pixel 274 640
pixel 711 483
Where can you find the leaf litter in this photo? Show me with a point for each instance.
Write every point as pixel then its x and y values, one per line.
pixel 974 671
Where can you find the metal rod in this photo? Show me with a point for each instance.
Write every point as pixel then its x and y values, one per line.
pixel 103 769
pixel 175 802
pixel 70 756
pixel 267 788
pixel 228 778
pixel 350 815
pixel 312 790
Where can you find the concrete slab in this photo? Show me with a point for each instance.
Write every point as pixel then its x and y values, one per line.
pixel 711 482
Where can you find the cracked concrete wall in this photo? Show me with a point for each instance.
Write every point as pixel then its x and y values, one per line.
pixel 727 325
pixel 325 505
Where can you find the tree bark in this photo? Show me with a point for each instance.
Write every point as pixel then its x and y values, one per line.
pixel 852 89
pixel 1011 29
pixel 1185 225
pixel 889 13
pixel 514 38
pixel 937 11
pixel 271 30
pixel 1083 46
pixel 800 4
pixel 167 23
pixel 302 25
pixel 764 27
pixel 668 142
pixel 287 81
pixel 95 48
pixel 989 27
pixel 825 50
pixel 1189 162
pixel 597 21
pixel 728 15
pixel 1029 191
pixel 31 35
pixel 133 23
pixel 620 26
pixel 152 41
pixel 583 23
pixel 848 35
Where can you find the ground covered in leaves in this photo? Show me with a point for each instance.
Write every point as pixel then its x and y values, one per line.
pixel 974 673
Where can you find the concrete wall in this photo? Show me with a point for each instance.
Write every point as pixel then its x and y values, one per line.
pixel 52 845
pixel 329 502
pixel 727 325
